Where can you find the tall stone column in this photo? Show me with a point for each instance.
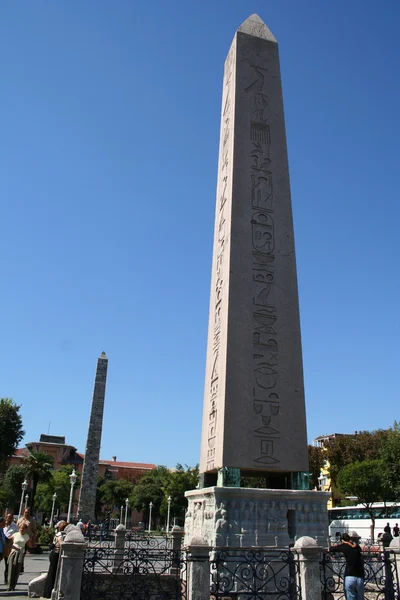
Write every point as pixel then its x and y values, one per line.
pixel 87 496
pixel 254 410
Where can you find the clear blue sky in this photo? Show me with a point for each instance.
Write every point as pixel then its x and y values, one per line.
pixel 109 120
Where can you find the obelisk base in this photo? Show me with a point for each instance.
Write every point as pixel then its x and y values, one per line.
pixel 247 517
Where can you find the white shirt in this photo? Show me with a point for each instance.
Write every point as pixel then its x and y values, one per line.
pixel 9 530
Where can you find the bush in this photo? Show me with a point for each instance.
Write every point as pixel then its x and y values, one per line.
pixel 45 536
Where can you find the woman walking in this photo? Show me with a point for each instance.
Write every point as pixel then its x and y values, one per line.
pixel 54 557
pixel 20 539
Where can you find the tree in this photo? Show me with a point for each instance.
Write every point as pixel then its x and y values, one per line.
pixel 348 449
pixel 11 431
pixel 37 467
pixel 11 487
pixel 114 492
pixel 364 481
pixel 390 454
pixel 176 484
pixel 316 460
pixel 150 488
pixel 59 483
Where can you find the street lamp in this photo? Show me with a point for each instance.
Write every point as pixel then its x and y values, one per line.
pixel 121 515
pixel 126 510
pixel 150 507
pixel 72 479
pixel 52 509
pixel 169 510
pixel 24 488
pixel 26 500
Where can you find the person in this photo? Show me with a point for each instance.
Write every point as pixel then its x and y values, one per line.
pixel 386 529
pixel 9 529
pixel 396 530
pixel 30 530
pixel 354 571
pixel 54 557
pixel 20 540
pixel 81 525
pixel 3 539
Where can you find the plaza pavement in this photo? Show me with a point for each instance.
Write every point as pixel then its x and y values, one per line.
pixel 34 565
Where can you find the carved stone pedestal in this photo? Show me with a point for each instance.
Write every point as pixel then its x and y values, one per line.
pixel 245 517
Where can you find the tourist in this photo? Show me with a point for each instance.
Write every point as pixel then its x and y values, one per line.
pixel 3 539
pixel 54 558
pixel 386 529
pixel 9 529
pixel 354 571
pixel 396 530
pixel 30 530
pixel 20 540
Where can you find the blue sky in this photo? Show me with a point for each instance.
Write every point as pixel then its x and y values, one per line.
pixel 109 127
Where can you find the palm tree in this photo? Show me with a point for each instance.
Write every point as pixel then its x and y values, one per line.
pixel 38 467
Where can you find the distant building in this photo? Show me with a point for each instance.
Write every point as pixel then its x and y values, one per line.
pixel 324 480
pixel 65 454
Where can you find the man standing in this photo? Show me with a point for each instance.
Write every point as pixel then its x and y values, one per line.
pixel 396 530
pixel 9 529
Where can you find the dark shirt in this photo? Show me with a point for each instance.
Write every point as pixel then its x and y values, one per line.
pixel 354 559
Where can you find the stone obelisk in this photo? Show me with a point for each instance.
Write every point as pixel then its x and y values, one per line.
pixel 254 420
pixel 87 497
pixel 254 410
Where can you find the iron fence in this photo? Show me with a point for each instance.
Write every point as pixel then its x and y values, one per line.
pixel 142 569
pixel 254 573
pixel 381 578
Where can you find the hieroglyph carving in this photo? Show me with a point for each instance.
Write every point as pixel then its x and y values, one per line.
pixel 265 343
pixel 220 256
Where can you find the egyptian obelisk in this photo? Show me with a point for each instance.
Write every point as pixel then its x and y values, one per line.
pixel 87 496
pixel 254 411
pixel 254 420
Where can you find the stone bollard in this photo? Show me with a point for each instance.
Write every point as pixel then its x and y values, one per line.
pixel 70 566
pixel 198 569
pixel 177 535
pixel 119 545
pixel 309 555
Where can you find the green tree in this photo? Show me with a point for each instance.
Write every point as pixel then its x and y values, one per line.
pixel 176 484
pixel 37 467
pixel 390 454
pixel 151 488
pixel 11 431
pixel 348 449
pixel 11 487
pixel 364 481
pixel 316 460
pixel 114 493
pixel 59 483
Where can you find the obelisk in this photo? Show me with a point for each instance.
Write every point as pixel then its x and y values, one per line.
pixel 87 496
pixel 254 410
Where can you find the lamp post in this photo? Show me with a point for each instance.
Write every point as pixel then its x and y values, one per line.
pixel 150 507
pixel 52 509
pixel 72 479
pixel 126 510
pixel 169 510
pixel 26 500
pixel 121 515
pixel 24 488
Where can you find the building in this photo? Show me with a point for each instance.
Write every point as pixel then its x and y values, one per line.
pixel 324 480
pixel 62 453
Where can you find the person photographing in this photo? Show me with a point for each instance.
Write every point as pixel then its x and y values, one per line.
pixel 354 572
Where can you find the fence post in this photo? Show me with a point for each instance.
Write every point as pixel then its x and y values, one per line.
pixel 119 547
pixel 71 566
pixel 177 535
pixel 198 569
pixel 309 555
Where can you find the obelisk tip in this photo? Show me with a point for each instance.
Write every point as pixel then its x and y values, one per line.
pixel 255 26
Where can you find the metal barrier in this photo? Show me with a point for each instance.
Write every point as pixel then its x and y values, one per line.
pixel 254 573
pixel 381 579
